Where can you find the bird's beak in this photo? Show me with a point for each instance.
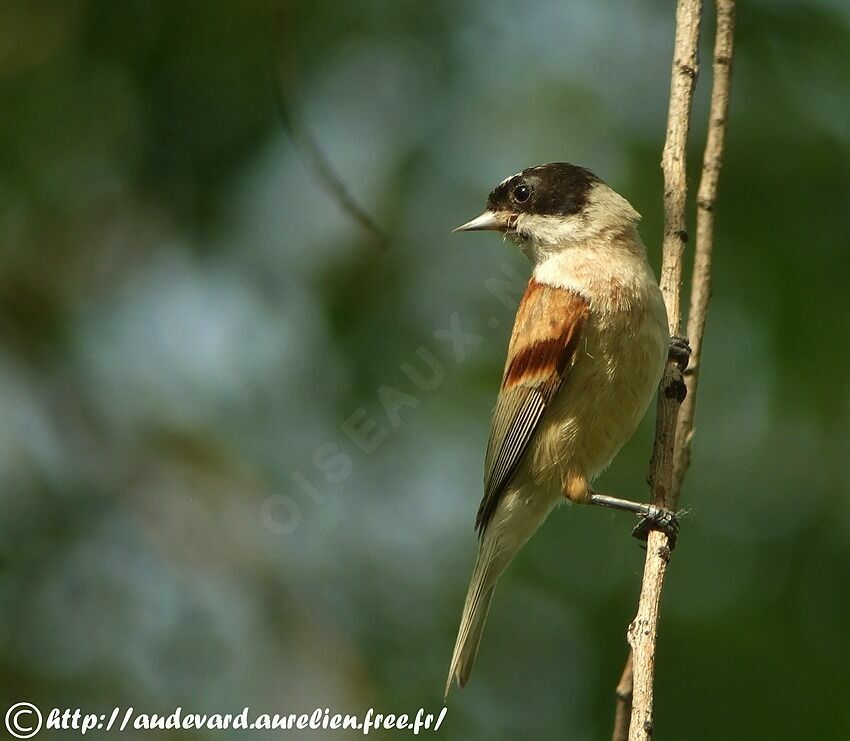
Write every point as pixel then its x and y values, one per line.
pixel 488 221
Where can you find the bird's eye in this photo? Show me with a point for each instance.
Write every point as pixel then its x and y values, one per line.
pixel 521 193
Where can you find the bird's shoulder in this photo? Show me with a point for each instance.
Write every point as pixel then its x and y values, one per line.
pixel 548 323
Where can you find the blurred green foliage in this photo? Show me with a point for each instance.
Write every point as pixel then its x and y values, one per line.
pixel 189 323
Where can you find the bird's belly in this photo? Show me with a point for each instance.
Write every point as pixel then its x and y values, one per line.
pixel 603 399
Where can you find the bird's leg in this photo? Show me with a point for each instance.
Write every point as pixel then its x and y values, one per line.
pixel 652 517
pixel 680 351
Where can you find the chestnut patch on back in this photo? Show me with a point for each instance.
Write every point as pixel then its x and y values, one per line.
pixel 542 358
pixel 546 333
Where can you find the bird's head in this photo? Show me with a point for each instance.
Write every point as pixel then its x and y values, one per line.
pixel 549 208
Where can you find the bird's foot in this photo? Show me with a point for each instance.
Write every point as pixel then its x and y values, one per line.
pixel 680 351
pixel 652 517
pixel 658 518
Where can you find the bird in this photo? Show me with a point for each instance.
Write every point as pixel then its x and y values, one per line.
pixel 588 348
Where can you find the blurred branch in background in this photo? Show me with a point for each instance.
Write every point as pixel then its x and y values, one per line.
pixel 674 431
pixel 283 75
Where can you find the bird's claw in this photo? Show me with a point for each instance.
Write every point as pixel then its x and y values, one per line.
pixel 658 518
pixel 680 351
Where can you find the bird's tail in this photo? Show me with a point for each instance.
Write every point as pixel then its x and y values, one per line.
pixel 490 564
pixel 507 532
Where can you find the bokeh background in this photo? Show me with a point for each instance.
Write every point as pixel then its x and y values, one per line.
pixel 195 334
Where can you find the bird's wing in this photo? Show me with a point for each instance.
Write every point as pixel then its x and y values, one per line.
pixel 549 324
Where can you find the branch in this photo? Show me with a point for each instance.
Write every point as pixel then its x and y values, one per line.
pixel 643 631
pixel 674 429
pixel 712 161
pixel 623 711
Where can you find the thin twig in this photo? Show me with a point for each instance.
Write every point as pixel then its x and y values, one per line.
pixel 643 631
pixel 712 161
pixel 623 709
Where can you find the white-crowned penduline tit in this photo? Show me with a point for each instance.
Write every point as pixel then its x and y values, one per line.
pixel 588 348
